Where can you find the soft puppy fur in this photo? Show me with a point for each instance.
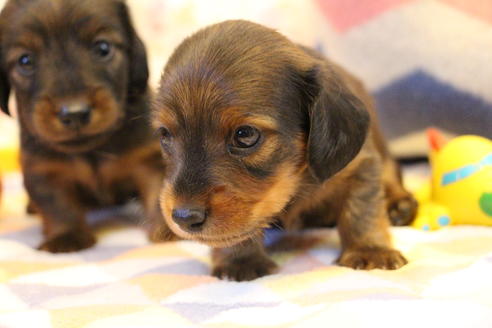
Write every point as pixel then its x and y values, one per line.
pixel 79 73
pixel 256 129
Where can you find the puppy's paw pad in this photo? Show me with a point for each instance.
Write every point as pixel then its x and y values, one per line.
pixel 71 241
pixel 244 269
pixel 402 210
pixel 372 258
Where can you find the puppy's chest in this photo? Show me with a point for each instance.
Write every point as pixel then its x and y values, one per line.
pixel 114 179
pixel 105 180
pixel 317 204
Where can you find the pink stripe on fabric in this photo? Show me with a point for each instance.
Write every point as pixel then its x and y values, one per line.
pixel 345 14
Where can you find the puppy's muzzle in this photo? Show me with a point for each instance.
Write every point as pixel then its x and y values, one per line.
pixel 190 219
pixel 75 116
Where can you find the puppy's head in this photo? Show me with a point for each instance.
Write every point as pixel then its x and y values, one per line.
pixel 244 115
pixel 73 65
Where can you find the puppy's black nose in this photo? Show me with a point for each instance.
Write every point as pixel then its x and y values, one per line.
pixel 75 115
pixel 190 219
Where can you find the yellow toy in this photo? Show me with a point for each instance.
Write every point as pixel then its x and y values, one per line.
pixel 9 150
pixel 460 191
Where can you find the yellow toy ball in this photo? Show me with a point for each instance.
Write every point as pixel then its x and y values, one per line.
pixel 460 191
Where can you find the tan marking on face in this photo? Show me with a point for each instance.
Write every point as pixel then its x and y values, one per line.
pixel 105 112
pixel 271 145
pixel 265 151
pixel 242 209
pixel 95 31
pixel 26 42
pixel 262 121
pixel 230 221
pixel 278 195
pixel 164 117
pixel 167 201
pixel 243 214
pixel 237 215
pixel 105 116
pixel 234 117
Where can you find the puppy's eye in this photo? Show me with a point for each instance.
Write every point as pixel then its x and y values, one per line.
pixel 26 64
pixel 164 134
pixel 246 137
pixel 103 49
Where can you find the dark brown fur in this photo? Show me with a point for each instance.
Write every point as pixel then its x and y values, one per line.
pixel 69 171
pixel 320 158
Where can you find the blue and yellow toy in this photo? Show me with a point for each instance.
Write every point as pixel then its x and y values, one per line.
pixel 460 191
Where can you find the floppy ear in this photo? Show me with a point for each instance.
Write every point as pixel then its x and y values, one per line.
pixel 6 14
pixel 4 88
pixel 338 122
pixel 4 79
pixel 139 70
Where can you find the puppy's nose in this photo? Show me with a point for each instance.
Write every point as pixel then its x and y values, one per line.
pixel 75 115
pixel 190 219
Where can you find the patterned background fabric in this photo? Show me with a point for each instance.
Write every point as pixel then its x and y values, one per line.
pixel 426 62
pixel 126 282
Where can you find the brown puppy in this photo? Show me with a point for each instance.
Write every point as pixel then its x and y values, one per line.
pixel 79 72
pixel 255 129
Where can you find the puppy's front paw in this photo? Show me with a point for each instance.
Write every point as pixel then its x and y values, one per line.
pixel 244 268
pixel 70 241
pixel 372 258
pixel 402 210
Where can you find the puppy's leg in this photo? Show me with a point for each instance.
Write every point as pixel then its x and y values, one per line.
pixel 363 224
pixel 157 229
pixel 402 206
pixel 243 262
pixel 149 184
pixel 62 212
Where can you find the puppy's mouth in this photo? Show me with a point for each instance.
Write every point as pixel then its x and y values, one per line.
pixel 220 241
pixel 82 140
pixel 81 143
pixel 228 241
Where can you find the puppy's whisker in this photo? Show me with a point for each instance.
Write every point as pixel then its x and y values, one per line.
pixel 277 225
pixel 138 117
pixel 106 154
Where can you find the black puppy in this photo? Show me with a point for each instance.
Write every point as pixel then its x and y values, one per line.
pixel 79 72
